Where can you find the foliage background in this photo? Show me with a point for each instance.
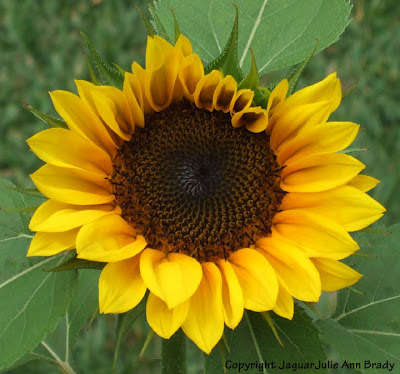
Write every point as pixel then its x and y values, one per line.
pixel 41 50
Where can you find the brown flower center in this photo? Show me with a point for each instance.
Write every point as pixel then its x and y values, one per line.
pixel 191 183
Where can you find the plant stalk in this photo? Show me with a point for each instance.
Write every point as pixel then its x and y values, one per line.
pixel 173 354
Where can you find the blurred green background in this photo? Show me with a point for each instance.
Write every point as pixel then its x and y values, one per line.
pixel 41 50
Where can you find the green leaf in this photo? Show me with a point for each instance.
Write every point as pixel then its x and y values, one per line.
pixel 106 73
pixel 58 346
pixel 253 341
pixel 281 32
pixel 367 327
pixel 75 263
pixel 228 60
pixel 47 118
pixel 32 302
pixel 125 322
pixel 252 80
pixel 159 26
pixel 294 76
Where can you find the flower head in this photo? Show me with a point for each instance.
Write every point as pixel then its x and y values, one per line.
pixel 186 189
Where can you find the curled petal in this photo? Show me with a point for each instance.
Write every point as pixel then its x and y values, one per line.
pixel 65 148
pixel 121 287
pixel 232 296
pixel 316 235
pixel 191 72
pixel 108 239
pixel 319 172
pixel 204 93
pixel 346 205
pixel 204 324
pixel 254 118
pixel 72 186
pixel 173 278
pixel 257 279
pixel 224 94
pixel 52 243
pixel 242 100
pixel 363 182
pixel 164 321
pixel 53 216
pixel 335 275
pixel 295 272
pixel 284 304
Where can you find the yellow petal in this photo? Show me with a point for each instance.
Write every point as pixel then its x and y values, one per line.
pixel 65 148
pixel 319 172
pixel 242 100
pixel 328 90
pixel 174 277
pixel 224 94
pixel 160 84
pixel 51 243
pixel 204 324
pixel 165 322
pixel 80 118
pixel 190 74
pixel 287 124
pixel 121 287
pixel 329 138
pixel 232 296
pixel 314 234
pixel 277 95
pixel 108 239
pixel 284 304
pixel 134 97
pixel 254 118
pixel 110 104
pixel 72 186
pixel 346 205
pixel 363 182
pixel 53 216
pixel 184 46
pixel 294 269
pixel 140 77
pixel 204 93
pixel 157 52
pixel 257 279
pixel 335 275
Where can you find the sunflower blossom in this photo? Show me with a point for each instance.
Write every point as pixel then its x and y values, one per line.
pixel 190 193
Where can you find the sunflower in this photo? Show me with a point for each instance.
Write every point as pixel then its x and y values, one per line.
pixel 187 190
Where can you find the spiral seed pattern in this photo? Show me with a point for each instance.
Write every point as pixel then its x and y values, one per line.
pixel 191 183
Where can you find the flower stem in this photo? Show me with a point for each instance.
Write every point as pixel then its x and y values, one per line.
pixel 173 354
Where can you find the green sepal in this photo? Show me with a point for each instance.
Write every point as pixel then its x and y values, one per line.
pixel 150 29
pixel 91 71
pixel 75 263
pixel 47 118
pixel 26 191
pixel 294 76
pixel 122 71
pixel 125 321
pixel 353 150
pixel 261 96
pixel 252 80
pixel 146 343
pixel 105 73
pixel 28 209
pixel 176 26
pixel 350 90
pixel 271 324
pixel 228 61
pixel 160 27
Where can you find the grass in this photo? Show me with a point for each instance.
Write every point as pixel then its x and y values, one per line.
pixel 41 51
